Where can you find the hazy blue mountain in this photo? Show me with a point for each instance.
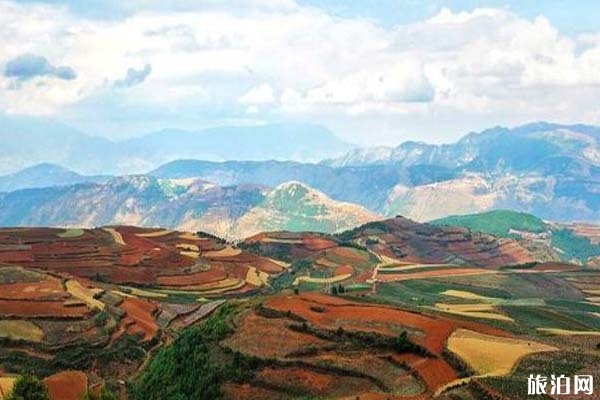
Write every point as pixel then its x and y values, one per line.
pixel 30 141
pixel 187 204
pixel 367 186
pixel 299 142
pixel 44 175
pixel 531 147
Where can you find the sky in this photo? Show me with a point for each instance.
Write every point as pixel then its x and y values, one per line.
pixel 374 72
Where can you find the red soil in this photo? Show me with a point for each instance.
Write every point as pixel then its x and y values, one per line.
pixel 32 309
pixel 198 278
pixel 67 385
pixel 307 380
pixel 381 319
pixel 245 391
pixel 316 244
pixel 343 270
pixel 264 337
pixel 139 318
pixel 49 289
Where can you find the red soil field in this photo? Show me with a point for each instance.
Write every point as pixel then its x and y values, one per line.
pixel 67 385
pixel 316 244
pixel 264 337
pixel 33 309
pixel 198 278
pixel 381 319
pixel 49 289
pixel 19 256
pixel 343 270
pixel 139 319
pixel 434 371
pixel 245 391
pixel 309 381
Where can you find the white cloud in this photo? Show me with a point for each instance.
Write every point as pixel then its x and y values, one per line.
pixel 259 95
pixel 486 65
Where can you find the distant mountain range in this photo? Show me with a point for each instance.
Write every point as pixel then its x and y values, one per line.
pixel 549 170
pixel 27 142
pixel 232 212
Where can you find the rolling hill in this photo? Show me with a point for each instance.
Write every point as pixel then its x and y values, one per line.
pixel 569 242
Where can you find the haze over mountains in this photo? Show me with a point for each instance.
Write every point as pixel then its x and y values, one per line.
pixel 26 142
pixel 549 170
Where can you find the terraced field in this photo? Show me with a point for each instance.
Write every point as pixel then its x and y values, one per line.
pixel 393 310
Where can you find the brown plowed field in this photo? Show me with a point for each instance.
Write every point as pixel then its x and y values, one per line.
pixel 139 319
pixel 40 309
pixel 67 385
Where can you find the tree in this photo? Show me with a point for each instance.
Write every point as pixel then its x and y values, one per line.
pixel 334 290
pixel 29 387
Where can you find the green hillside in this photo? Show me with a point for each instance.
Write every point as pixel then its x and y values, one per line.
pixel 500 222
pixel 497 222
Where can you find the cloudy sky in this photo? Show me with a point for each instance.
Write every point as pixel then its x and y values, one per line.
pixel 374 72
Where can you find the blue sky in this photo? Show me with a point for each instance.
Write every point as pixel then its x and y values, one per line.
pixel 374 72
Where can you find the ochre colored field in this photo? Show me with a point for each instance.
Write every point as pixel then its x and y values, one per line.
pixel 67 385
pixel 6 386
pixel 86 295
pixel 117 237
pixel 33 309
pixel 257 278
pixel 226 252
pixel 155 234
pixel 490 355
pixel 475 310
pixel 188 246
pixel 20 330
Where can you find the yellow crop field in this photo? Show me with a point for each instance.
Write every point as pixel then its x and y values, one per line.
pixel 491 355
pixel 282 264
pixel 257 278
pixel 566 332
pixel 6 386
pixel 465 295
pixel 226 252
pixel 117 237
pixel 154 234
pixel 86 295
pixel 333 279
pixel 21 330
pixel 189 236
pixel 476 310
pixel 188 246
pixel 190 254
